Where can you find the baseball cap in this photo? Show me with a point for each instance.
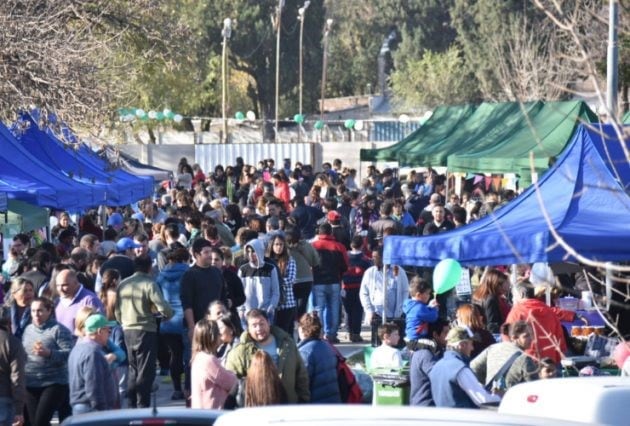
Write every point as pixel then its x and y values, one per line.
pixel 458 334
pixel 115 219
pixel 97 321
pixel 333 216
pixel 125 244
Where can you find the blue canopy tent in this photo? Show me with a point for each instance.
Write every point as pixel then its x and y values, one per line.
pixel 578 196
pixel 16 162
pixel 121 188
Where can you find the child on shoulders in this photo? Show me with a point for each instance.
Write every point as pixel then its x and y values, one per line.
pixel 419 312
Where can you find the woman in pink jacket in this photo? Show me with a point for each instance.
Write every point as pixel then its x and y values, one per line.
pixel 211 383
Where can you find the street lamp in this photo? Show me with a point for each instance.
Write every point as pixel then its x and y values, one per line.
pixel 301 12
pixel 278 22
pixel 327 29
pixel 225 33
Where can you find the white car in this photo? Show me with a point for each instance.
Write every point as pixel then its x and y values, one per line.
pixel 368 415
pixel 601 400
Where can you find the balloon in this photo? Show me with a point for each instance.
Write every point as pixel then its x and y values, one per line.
pixel 298 118
pixel 404 118
pixel 251 115
pixel 152 115
pixel 159 116
pixel 349 124
pixel 319 125
pixel 166 112
pixel 358 125
pixel 177 118
pixel 170 115
pixel 239 116
pixel 446 275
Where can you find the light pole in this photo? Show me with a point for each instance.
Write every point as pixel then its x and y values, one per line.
pixel 301 12
pixel 226 32
pixel 327 28
pixel 278 22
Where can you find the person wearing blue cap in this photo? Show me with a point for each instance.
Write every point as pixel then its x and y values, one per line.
pixel 122 261
pixel 115 221
pixel 92 386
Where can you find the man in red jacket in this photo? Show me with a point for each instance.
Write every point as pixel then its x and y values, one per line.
pixel 548 339
pixel 333 262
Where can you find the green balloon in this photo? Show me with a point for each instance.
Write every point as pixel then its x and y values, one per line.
pixel 349 124
pixel 239 116
pixel 170 115
pixel 446 275
pixel 319 125
pixel 298 118
pixel 159 116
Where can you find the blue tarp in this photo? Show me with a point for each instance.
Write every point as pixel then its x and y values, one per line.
pixel 81 164
pixel 17 164
pixel 583 202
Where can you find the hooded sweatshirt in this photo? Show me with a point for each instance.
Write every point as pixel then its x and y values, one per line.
pixel 260 281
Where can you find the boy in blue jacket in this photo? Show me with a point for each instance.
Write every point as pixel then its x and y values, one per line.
pixel 419 312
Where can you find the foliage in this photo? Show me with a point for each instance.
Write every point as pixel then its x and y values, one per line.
pixel 435 79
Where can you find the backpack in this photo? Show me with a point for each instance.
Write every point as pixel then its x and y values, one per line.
pixel 348 386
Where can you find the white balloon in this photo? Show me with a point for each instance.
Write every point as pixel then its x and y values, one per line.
pixel 404 118
pixel 152 115
pixel 139 112
pixel 178 118
pixel 427 115
pixel 251 115
pixel 358 125
pixel 166 111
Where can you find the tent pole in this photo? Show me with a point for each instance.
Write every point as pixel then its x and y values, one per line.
pixel 446 188
pixel 384 294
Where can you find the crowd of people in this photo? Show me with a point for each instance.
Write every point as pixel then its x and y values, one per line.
pixel 235 283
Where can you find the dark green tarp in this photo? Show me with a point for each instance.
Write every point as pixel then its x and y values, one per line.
pixel 542 132
pixel 443 121
pixel 489 138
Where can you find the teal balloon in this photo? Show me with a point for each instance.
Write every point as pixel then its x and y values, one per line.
pixel 298 118
pixel 239 116
pixel 170 115
pixel 349 124
pixel 446 275
pixel 159 116
pixel 319 125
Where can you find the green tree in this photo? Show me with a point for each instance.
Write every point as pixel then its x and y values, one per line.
pixel 435 79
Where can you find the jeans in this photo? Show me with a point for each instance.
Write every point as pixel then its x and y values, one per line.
pixel 327 302
pixel 6 412
pixel 81 409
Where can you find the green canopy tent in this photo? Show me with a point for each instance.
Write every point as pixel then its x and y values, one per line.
pixel 490 123
pixel 540 131
pixel 22 217
pixel 443 121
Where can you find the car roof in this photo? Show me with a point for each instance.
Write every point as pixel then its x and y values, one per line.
pixel 600 399
pixel 349 415
pixel 165 415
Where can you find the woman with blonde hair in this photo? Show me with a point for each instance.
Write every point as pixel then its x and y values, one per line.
pixel 19 305
pixel 470 316
pixel 211 383
pixel 263 385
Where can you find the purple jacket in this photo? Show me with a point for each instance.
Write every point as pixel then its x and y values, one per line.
pixel 66 312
